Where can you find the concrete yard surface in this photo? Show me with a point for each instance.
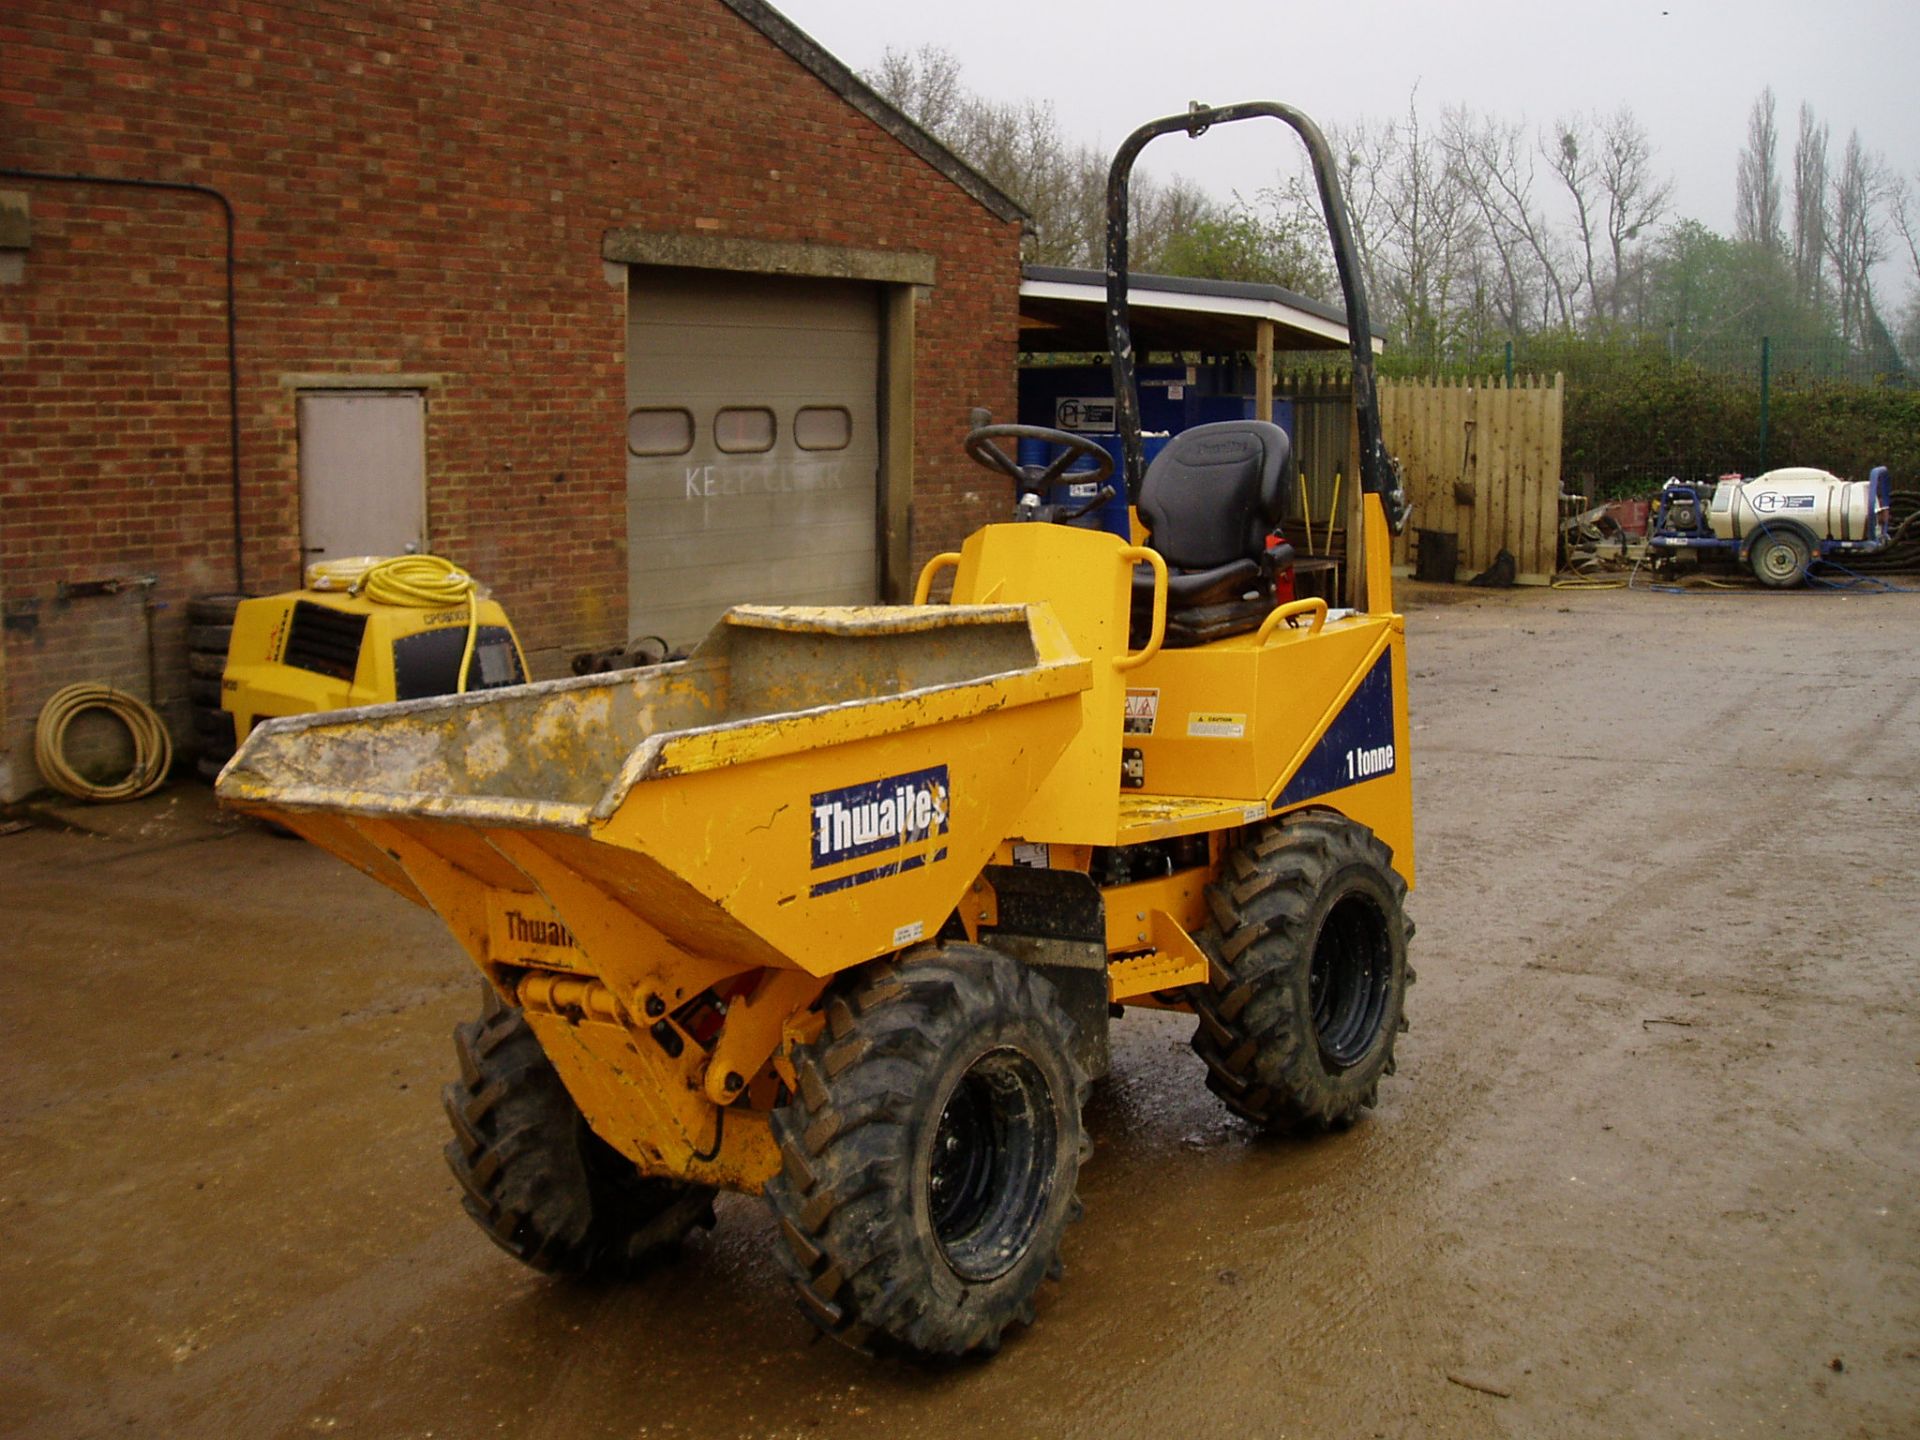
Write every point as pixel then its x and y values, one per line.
pixel 1650 1165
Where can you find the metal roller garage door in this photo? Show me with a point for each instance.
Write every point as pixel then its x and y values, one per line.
pixel 753 445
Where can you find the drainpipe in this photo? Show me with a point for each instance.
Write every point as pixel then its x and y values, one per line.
pixel 233 323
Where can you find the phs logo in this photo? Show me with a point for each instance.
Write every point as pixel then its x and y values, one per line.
pixel 879 815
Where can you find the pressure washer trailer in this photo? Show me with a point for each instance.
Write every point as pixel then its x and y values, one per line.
pixel 1779 523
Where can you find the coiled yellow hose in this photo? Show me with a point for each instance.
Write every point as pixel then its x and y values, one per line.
pixel 152 746
pixel 429 583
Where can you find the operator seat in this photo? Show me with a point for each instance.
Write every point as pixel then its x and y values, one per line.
pixel 1209 501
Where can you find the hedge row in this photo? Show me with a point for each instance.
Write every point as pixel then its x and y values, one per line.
pixel 1630 426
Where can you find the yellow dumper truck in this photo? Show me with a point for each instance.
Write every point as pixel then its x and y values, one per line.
pixel 839 909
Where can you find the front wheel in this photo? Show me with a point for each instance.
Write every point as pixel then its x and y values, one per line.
pixel 544 1187
pixel 930 1156
pixel 1307 993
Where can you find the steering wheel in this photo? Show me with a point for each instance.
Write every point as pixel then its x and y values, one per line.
pixel 1032 481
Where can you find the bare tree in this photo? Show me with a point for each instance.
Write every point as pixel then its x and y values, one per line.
pixel 925 86
pixel 1635 197
pixel 1856 241
pixel 1900 205
pixel 1358 153
pixel 1757 181
pixel 1019 146
pixel 1810 208
pixel 1568 152
pixel 1495 161
pixel 1900 201
pixel 1159 214
pixel 1419 225
pixel 1606 167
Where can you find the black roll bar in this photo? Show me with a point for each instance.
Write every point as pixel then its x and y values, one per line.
pixel 1377 473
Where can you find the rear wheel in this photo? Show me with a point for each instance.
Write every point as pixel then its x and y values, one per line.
pixel 930 1156
pixel 544 1187
pixel 1309 974
pixel 1780 558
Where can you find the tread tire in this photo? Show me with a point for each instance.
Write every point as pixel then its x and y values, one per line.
pixel 213 609
pixel 543 1186
pixel 210 639
pixel 214 726
pixel 1265 1056
pixel 855 1197
pixel 214 743
pixel 205 665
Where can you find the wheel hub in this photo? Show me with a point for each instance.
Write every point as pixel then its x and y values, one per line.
pixel 990 1165
pixel 1349 981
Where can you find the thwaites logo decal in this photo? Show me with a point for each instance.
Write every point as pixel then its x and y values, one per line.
pixel 879 815
pixel 523 930
pixel 1357 746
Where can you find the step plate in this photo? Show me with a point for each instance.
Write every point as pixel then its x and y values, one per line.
pixel 1150 973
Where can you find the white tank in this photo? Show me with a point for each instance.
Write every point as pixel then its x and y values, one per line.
pixel 1823 504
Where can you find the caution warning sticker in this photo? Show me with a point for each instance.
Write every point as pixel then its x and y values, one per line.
pixel 1143 708
pixel 1216 725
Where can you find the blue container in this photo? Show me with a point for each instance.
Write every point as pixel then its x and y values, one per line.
pixel 1111 516
pixel 1208 393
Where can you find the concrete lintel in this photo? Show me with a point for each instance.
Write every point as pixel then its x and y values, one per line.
pixel 336 380
pixel 766 257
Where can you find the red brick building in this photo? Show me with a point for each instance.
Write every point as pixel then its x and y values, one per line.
pixel 479 250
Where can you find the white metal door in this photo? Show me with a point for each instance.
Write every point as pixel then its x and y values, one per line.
pixel 753 446
pixel 363 473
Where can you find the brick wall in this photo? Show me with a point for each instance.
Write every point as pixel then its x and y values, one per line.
pixel 420 188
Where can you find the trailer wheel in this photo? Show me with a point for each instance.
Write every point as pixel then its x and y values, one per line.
pixel 544 1187
pixel 1780 558
pixel 930 1156
pixel 1308 990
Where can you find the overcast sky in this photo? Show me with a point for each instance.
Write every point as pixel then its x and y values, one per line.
pixel 1689 70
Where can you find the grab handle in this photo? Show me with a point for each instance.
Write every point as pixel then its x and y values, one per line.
pixel 923 587
pixel 1139 554
pixel 1313 605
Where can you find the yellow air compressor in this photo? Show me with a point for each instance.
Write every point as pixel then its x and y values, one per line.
pixel 364 632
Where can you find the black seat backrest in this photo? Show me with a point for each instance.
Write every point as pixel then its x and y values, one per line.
pixel 1215 492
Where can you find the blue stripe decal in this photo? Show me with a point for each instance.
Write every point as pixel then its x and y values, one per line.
pixel 1357 746
pixel 879 872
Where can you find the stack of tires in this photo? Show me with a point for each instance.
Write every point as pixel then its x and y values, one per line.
pixel 209 629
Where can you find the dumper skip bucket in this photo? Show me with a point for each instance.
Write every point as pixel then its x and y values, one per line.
pixel 811 788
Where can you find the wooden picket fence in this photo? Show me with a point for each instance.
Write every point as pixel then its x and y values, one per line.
pixel 1481 461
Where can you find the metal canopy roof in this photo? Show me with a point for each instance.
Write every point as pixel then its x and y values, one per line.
pixel 1064 309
